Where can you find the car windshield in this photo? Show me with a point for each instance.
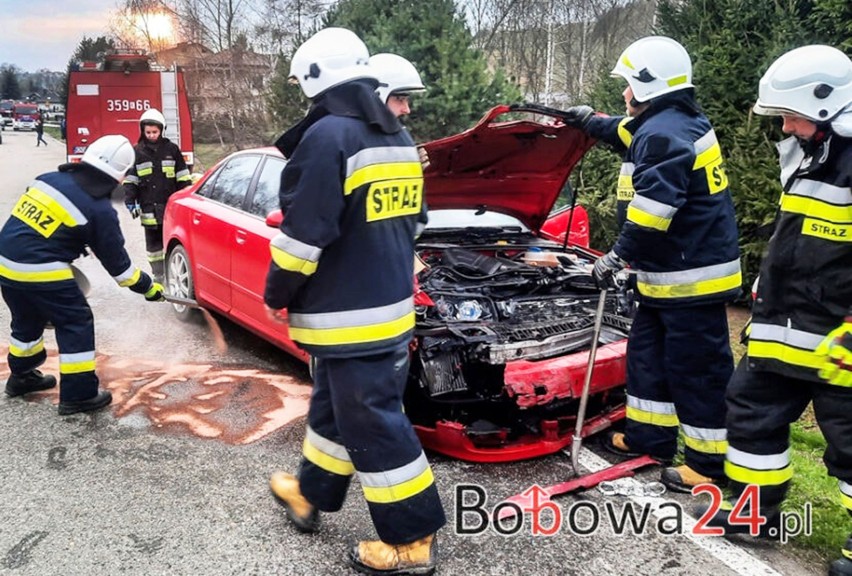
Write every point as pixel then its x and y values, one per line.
pixel 442 219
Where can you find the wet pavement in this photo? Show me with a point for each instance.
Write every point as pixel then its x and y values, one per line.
pixel 172 478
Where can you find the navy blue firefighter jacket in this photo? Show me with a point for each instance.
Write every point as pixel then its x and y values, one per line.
pixel 680 232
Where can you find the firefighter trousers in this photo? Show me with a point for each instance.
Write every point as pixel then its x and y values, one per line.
pixel 154 248
pixel 356 424
pixel 68 311
pixel 761 407
pixel 678 365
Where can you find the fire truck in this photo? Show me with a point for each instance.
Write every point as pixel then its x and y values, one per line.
pixel 108 97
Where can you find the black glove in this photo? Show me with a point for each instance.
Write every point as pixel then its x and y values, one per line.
pixel 578 116
pixel 606 268
pixel 155 293
pixel 134 209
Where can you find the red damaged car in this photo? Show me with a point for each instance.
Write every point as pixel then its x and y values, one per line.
pixel 505 306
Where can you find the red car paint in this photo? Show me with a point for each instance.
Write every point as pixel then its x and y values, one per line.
pixel 495 166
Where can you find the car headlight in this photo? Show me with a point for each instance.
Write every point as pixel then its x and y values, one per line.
pixel 463 310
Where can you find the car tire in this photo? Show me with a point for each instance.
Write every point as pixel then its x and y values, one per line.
pixel 179 282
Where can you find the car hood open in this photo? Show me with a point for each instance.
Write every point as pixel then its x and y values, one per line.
pixel 517 167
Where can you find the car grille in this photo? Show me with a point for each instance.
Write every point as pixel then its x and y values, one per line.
pixel 540 330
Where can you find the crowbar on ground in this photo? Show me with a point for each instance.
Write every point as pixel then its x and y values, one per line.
pixel 532 498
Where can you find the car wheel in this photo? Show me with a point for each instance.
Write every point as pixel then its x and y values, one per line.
pixel 179 282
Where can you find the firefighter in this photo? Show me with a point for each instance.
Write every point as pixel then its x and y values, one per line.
pixel 59 215
pixel 158 172
pixel 398 79
pixel 352 194
pixel 680 239
pixel 800 337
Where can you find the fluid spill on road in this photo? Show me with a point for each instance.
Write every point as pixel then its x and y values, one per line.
pixel 236 405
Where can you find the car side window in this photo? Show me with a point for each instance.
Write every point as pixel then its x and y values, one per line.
pixel 231 183
pixel 265 198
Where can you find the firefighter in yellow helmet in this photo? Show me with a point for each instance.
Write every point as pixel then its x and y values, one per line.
pixel 59 216
pixel 800 339
pixel 342 266
pixel 158 172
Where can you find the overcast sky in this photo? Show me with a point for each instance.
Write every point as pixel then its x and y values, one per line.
pixel 36 34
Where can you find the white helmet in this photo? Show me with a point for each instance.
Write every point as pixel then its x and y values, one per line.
pixel 654 66
pixel 153 116
pixel 113 155
pixel 396 75
pixel 811 81
pixel 330 57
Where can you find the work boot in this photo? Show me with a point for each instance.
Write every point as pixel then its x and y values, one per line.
pixel 32 381
pixel 301 513
pixel 683 479
pixel 379 558
pixel 770 529
pixel 843 565
pixel 96 402
pixel 616 442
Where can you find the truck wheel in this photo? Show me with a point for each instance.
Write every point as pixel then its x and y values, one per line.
pixel 179 282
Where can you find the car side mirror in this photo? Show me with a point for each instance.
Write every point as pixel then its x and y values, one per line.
pixel 274 218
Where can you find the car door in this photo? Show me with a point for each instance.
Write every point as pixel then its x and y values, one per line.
pixel 213 225
pixel 251 257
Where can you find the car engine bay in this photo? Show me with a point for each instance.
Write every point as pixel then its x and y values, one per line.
pixel 497 300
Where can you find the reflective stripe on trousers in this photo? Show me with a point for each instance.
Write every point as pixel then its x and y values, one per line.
pixel 67 309
pixel 356 424
pixel 678 365
pixel 761 407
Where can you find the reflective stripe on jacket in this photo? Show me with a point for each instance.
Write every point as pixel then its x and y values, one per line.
pixel 158 172
pixel 805 287
pixel 342 264
pixel 679 232
pixel 60 215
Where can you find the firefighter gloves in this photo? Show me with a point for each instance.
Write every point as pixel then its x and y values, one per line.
pixel 577 116
pixel 836 350
pixel 606 268
pixel 134 210
pixel 155 293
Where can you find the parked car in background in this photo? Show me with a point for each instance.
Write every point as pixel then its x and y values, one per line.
pixel 504 310
pixel 24 116
pixel 6 107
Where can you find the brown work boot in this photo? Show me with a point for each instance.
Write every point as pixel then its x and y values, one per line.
pixel 379 558
pixel 683 479
pixel 616 442
pixel 303 515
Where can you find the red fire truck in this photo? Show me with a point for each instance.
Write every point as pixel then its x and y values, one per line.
pixel 108 97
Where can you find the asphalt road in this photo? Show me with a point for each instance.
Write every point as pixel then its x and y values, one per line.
pixel 172 479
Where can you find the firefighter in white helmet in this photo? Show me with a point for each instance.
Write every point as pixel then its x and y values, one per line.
pixel 158 172
pixel 398 79
pixel 59 216
pixel 352 194
pixel 679 235
pixel 800 339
